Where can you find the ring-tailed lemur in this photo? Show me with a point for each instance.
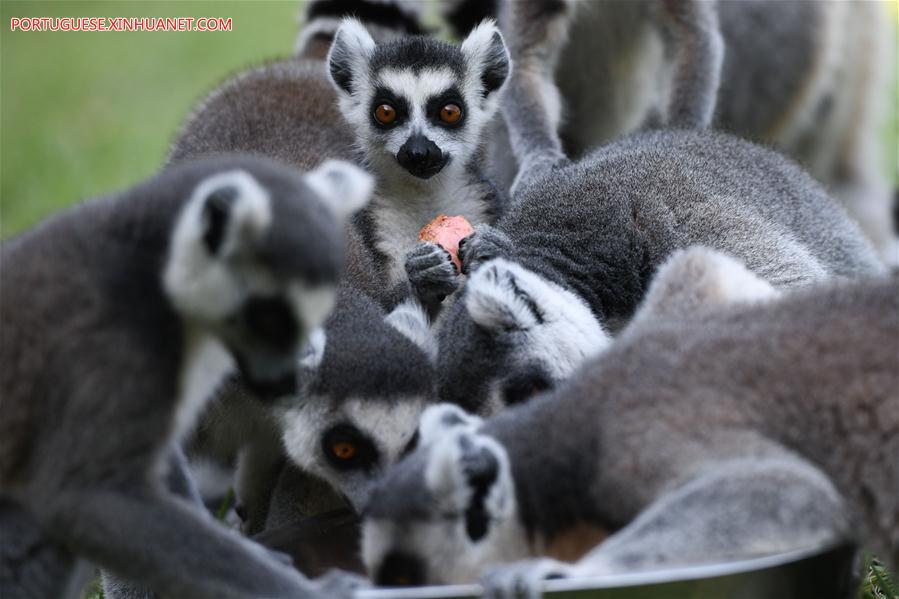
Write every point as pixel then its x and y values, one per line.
pixel 155 294
pixel 742 429
pixel 418 107
pixel 808 78
pixel 362 384
pixel 575 250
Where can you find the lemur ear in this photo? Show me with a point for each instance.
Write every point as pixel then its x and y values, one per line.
pixel 486 50
pixel 216 212
pixel 343 187
pixel 410 320
pixel 442 418
pixel 314 350
pixel 350 51
pixel 496 300
pixel 233 208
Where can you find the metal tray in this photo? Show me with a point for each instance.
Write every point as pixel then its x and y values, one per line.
pixel 819 573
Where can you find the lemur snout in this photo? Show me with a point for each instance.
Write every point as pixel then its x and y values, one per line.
pixel 421 157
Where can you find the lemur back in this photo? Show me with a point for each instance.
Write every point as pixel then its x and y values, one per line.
pixel 805 77
pixel 571 258
pixel 727 429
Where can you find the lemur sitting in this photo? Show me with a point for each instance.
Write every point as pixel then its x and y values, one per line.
pixel 725 423
pixel 571 258
pixel 418 107
pixel 120 318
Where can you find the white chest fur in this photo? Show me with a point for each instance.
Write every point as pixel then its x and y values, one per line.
pixel 399 215
pixel 206 363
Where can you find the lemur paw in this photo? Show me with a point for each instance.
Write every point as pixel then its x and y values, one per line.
pixel 339 584
pixel 522 580
pixel 484 244
pixel 431 272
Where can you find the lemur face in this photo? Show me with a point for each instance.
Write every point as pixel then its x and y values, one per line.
pixel 349 443
pixel 362 393
pixel 527 332
pixel 446 511
pixel 416 104
pixel 255 258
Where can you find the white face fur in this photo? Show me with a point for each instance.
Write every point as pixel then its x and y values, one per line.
pixel 219 284
pixel 416 98
pixel 447 549
pixel 349 443
pixel 550 329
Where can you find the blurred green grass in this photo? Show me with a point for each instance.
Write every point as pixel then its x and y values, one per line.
pixel 84 114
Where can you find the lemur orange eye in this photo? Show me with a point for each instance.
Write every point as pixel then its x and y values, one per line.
pixel 385 114
pixel 344 450
pixel 451 113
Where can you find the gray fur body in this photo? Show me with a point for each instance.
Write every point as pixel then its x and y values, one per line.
pixel 805 77
pixel 729 432
pixel 145 290
pixel 600 227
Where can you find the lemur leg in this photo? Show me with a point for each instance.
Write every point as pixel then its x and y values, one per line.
pixel 165 543
pixel 431 273
pixel 31 565
pixel 741 509
pixel 486 243
pixel 536 33
pixel 258 468
pixel 179 482
pixel 698 55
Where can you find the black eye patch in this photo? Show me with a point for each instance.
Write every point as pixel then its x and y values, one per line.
pixel 347 448
pixel 383 95
pixel 436 103
pixel 271 320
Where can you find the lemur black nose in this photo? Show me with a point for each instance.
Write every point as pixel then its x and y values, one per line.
pixel 421 157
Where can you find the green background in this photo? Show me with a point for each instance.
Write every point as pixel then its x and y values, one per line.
pixel 85 114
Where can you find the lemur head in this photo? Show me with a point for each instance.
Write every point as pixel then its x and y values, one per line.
pixel 446 510
pixel 418 105
pixel 255 256
pixel 363 389
pixel 513 334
